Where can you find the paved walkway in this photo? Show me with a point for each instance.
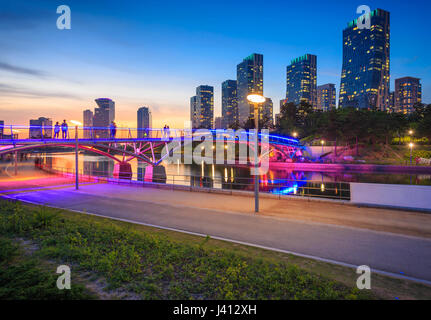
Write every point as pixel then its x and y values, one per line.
pixel 395 221
pixel 287 224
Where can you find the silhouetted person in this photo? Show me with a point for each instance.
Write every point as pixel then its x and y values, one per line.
pixel 113 129
pixel 56 130
pixel 64 128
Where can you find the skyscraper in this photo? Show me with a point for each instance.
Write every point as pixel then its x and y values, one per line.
pixel 218 123
pixel 326 97
pixel 301 80
pixel 229 103
pixel 40 128
pixel 107 105
pixel 249 80
pixel 194 119
pixel 391 104
pixel 104 114
pixel 408 92
pixel 88 123
pixel 365 77
pixel 144 122
pixel 202 107
pixel 1 129
pixel 266 114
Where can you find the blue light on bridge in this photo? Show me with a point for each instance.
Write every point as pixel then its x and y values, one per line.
pixel 287 190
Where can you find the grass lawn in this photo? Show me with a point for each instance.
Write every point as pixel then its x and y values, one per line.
pixel 113 259
pixel 23 276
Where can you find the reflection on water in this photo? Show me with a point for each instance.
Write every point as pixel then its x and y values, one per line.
pixel 277 181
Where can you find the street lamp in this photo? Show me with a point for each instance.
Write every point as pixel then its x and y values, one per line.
pixel 295 134
pixel 76 123
pixel 322 143
pixel 411 134
pixel 411 145
pixel 256 99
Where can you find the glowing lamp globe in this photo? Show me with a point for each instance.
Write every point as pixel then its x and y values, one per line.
pixel 256 98
pixel 76 123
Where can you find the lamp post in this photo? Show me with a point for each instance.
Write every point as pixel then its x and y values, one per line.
pixel 76 123
pixel 256 99
pixel 411 152
pixel 16 163
pixel 295 134
pixel 16 153
pixel 322 143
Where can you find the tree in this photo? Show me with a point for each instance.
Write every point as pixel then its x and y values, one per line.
pixel 305 119
pixel 235 125
pixel 264 123
pixel 287 122
pixel 334 129
pixel 355 124
pixel 424 123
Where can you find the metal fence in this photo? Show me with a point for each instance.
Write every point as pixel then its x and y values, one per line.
pixel 279 187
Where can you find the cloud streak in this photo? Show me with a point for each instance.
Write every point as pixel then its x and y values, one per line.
pixel 13 91
pixel 21 70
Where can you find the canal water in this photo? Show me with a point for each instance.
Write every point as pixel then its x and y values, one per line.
pixel 277 181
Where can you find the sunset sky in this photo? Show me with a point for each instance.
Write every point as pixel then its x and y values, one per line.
pixel 155 53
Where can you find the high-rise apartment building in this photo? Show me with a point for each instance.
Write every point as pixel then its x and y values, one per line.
pixel 144 122
pixel 202 108
pixel 267 114
pixel 326 97
pixel 301 80
pixel 365 76
pixel 194 118
pixel 88 123
pixel 40 128
pixel 391 104
pixel 108 106
pixel 218 123
pixel 249 81
pixel 104 114
pixel 408 92
pixel 229 103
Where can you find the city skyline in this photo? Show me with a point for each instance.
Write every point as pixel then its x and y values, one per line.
pixel 61 88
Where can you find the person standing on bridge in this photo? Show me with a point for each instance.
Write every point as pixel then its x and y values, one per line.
pixel 164 131
pixel 168 134
pixel 64 128
pixel 56 130
pixel 113 128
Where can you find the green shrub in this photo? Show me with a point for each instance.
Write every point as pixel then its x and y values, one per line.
pixel 7 250
pixel 44 217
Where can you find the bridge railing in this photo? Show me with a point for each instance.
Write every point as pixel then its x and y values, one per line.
pixel 20 133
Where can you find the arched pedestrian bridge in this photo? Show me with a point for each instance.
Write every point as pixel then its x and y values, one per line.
pixel 144 144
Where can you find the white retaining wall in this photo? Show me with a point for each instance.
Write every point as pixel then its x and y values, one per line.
pixel 391 195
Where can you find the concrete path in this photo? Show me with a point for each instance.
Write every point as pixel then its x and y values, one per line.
pixel 394 253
